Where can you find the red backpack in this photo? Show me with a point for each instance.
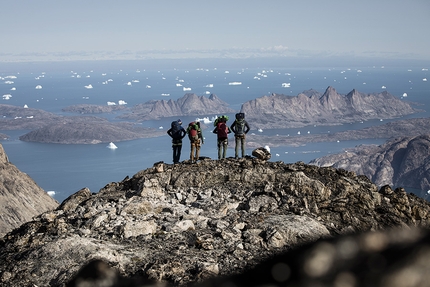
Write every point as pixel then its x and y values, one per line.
pixel 222 130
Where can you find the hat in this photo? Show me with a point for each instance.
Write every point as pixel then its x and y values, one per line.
pixel 179 121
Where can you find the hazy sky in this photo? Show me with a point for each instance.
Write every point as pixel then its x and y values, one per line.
pixel 73 29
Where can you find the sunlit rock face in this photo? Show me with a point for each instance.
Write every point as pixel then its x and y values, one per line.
pixel 20 197
pixel 188 224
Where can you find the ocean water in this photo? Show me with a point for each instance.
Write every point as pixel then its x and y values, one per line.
pixel 64 169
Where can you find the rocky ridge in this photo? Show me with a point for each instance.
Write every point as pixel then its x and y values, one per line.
pixel 21 198
pixel 189 105
pixel 331 108
pixel 402 161
pixel 187 222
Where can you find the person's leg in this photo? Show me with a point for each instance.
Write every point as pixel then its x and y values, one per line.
pixel 179 151
pixel 236 148
pixel 197 150
pixel 242 140
pixel 175 153
pixel 192 151
pixel 224 150
pixel 219 149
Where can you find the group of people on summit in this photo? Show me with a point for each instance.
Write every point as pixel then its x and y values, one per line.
pixel 239 127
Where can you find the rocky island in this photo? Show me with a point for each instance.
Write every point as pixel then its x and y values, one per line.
pixel 331 108
pixel 186 223
pixel 402 161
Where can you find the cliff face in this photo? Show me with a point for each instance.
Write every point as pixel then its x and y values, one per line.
pixel 399 162
pixel 20 197
pixel 187 222
pixel 188 105
pixel 312 108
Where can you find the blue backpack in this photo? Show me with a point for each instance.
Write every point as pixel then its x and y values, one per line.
pixel 176 130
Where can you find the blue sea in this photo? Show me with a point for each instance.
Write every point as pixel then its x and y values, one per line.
pixel 62 170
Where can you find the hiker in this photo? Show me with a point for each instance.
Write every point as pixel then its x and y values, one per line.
pixel 240 128
pixel 222 131
pixel 196 140
pixel 177 133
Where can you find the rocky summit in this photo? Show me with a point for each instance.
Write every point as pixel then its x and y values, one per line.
pixel 189 224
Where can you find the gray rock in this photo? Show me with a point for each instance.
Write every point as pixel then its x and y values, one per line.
pixel 186 224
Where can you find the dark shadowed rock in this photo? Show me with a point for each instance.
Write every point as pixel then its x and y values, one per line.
pixel 21 198
pixel 185 223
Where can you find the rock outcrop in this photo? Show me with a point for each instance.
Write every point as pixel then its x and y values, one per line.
pixel 312 108
pixel 21 198
pixel 188 105
pixel 399 162
pixel 185 223
pixel 94 109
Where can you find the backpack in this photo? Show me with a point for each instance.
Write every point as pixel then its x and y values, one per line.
pixel 239 124
pixel 176 130
pixel 222 130
pixel 193 131
pixel 218 119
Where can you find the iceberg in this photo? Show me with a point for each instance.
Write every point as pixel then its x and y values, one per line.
pixel 89 86
pixel 38 87
pixel 405 95
pixel 209 86
pixel 286 85
pixel 186 89
pixel 205 120
pixel 267 148
pixel 122 102
pixel 260 130
pixel 165 95
pixel 51 193
pixel 25 107
pixel 111 145
pixel 129 84
pixel 9 82
pixel 111 103
pixel 178 85
pixel 235 83
pixel 383 87
pixel 7 96
pixel 13 89
pixel 425 80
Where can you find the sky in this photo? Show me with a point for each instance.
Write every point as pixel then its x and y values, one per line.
pixel 140 29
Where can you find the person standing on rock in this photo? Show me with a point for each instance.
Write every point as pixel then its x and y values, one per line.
pixel 177 133
pixel 222 131
pixel 240 128
pixel 196 140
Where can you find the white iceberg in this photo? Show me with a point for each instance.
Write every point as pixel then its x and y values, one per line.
pixel 135 81
pixel 209 86
pixel 165 95
pixel 267 148
pixel 235 83
pixel 7 96
pixel 122 102
pixel 13 89
pixel 129 84
pixel 405 95
pixel 383 87
pixel 148 86
pixel 425 80
pixel 205 120
pixel 111 145
pixel 260 130
pixel 9 82
pixel 25 107
pixel 38 87
pixel 10 77
pixel 186 89
pixel 51 193
pixel 89 86
pixel 286 85
pixel 111 103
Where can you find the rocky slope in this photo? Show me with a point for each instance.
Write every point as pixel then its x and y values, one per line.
pixel 188 105
pixel 312 108
pixel 20 197
pixel 399 162
pixel 184 223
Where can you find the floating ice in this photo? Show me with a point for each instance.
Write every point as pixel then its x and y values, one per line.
pixel 235 83
pixel 205 120
pixel 165 95
pixel 30 117
pixel 267 148
pixel 38 87
pixel 260 130
pixel 129 84
pixel 148 86
pixel 121 102
pixel 89 86
pixel 178 85
pixel 13 89
pixel 111 145
pixel 10 77
pixel 405 95
pixel 160 128
pixel 207 92
pixel 51 193
pixel 383 87
pixel 135 81
pixel 7 96
pixel 286 85
pixel 209 86
pixel 425 80
pixel 9 82
pixel 25 107
pixel 226 72
pixel 111 103
pixel 186 89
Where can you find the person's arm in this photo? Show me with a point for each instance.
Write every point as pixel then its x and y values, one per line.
pixel 215 130
pixel 169 132
pixel 247 128
pixel 233 126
